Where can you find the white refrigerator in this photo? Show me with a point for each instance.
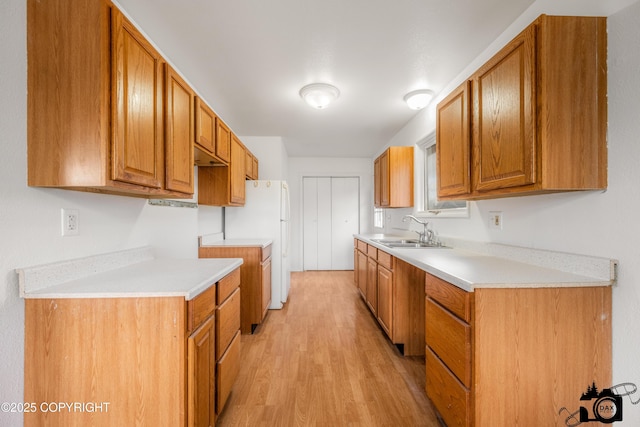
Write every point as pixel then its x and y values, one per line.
pixel 265 215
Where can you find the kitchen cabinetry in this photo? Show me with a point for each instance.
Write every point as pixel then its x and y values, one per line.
pixel 532 119
pixel 393 178
pixel 152 359
pixel 224 185
pixel 228 298
pixel 207 141
pixel 534 350
pixel 223 141
pixel 256 280
pixel 251 166
pixel 372 280
pixel 361 263
pixel 392 289
pixel 179 134
pixel 454 149
pixel 201 357
pixel 96 109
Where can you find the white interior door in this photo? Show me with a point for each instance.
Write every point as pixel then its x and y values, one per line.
pixel 330 219
pixel 310 223
pixel 344 221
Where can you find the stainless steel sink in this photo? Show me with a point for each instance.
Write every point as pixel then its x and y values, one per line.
pixel 395 241
pixel 407 244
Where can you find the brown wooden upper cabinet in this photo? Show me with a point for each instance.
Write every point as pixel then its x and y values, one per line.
pixel 532 119
pixel 251 165
pixel 393 178
pixel 207 152
pixel 180 112
pixel 224 185
pixel 96 109
pixel 223 141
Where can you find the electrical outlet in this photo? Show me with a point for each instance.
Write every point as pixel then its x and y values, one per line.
pixel 495 220
pixel 70 225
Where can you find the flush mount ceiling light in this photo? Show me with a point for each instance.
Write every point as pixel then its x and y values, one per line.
pixel 418 99
pixel 319 95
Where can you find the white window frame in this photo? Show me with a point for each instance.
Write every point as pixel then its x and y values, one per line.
pixel 425 161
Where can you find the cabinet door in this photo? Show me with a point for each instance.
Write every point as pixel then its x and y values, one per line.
pixel 266 286
pixel 205 127
pixel 179 114
pixel 385 300
pixel 228 367
pixel 201 376
pixel 384 179
pixel 377 183
pixel 362 273
pixel 237 171
pixel 372 285
pixel 453 144
pixel 504 138
pixel 223 141
pixel 137 147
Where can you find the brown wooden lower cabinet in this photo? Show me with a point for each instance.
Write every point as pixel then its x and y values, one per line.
pixel 144 360
pixel 256 280
pixel 514 356
pixel 393 291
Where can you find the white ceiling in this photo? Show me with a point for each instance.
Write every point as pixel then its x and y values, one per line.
pixel 249 58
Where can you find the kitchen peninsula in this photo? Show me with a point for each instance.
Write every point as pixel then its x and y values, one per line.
pixel 524 329
pixel 148 336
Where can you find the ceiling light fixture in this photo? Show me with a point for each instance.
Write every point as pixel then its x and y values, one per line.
pixel 319 95
pixel 418 99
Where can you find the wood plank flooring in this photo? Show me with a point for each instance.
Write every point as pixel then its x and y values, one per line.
pixel 324 361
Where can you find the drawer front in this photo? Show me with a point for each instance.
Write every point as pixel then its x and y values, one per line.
pixel 266 253
pixel 362 246
pixel 226 372
pixel 385 260
pixel 450 339
pixel 227 322
pixel 372 251
pixel 450 397
pixel 201 307
pixel 228 284
pixel 449 296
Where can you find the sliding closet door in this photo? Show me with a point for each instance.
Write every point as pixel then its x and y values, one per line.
pixel 330 218
pixel 344 221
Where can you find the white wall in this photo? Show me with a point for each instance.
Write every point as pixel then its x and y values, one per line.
pixel 271 154
pixel 592 223
pixel 300 167
pixel 30 217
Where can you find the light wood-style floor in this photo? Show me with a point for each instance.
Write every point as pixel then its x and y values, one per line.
pixel 324 361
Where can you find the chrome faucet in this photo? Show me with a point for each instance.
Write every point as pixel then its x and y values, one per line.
pixel 427 235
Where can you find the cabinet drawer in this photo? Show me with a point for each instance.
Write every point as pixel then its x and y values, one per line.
pixel 450 397
pixel 227 370
pixel 228 284
pixel 227 321
pixel 449 296
pixel 362 246
pixel 385 260
pixel 266 253
pixel 201 307
pixel 450 338
pixel 372 251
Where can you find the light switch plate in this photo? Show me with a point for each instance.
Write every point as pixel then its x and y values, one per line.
pixel 495 220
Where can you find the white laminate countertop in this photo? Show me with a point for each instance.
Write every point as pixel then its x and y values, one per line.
pixel 515 267
pixel 124 274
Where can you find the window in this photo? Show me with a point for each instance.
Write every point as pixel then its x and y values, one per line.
pixel 378 217
pixel 429 205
